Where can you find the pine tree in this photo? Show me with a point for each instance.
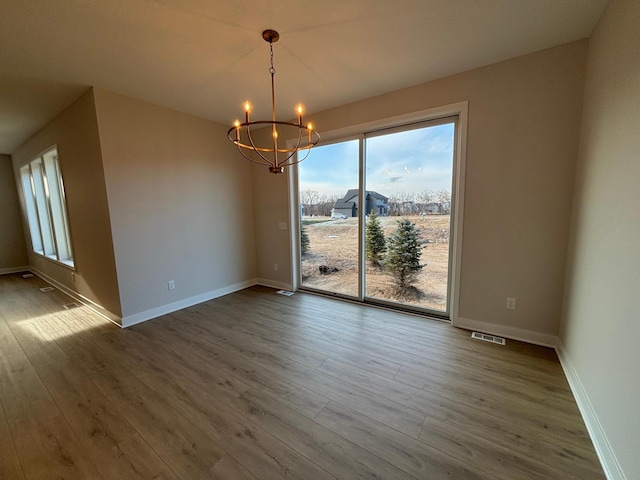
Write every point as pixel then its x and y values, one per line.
pixel 304 240
pixel 403 254
pixel 374 241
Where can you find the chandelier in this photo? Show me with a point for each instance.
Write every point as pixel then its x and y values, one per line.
pixel 273 154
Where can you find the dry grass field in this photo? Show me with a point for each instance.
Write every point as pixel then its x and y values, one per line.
pixel 334 243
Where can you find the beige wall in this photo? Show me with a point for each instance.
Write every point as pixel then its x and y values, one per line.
pixel 601 324
pixel 180 202
pixel 524 119
pixel 271 207
pixel 13 252
pixel 76 134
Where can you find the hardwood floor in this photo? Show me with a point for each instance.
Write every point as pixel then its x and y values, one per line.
pixel 256 385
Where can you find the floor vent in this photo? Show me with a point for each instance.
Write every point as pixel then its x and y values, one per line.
pixel 286 293
pixel 28 275
pixel 488 338
pixel 71 305
pixel 47 289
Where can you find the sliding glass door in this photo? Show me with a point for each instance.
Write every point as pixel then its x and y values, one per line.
pixel 375 216
pixel 329 225
pixel 410 170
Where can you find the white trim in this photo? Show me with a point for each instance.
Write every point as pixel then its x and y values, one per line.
pixel 605 453
pixel 396 121
pixel 295 227
pixel 99 309
pixel 362 210
pixel 529 336
pixel 273 284
pixel 130 320
pixel 7 271
pixel 63 263
pixel 457 195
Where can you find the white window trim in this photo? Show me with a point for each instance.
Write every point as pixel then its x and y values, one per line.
pixel 53 200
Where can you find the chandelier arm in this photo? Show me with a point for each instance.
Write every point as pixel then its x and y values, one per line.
pixel 307 150
pixel 258 150
pixel 294 151
pixel 252 146
pixel 285 162
pixel 253 160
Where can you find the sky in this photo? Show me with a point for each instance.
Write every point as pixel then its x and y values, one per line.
pixel 403 162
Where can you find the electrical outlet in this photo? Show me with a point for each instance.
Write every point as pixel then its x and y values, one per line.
pixel 282 225
pixel 511 303
pixel 73 276
pixel 171 284
pixel 275 267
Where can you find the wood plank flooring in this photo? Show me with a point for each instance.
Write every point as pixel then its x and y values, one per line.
pixel 256 385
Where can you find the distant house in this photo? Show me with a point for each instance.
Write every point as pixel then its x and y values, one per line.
pixel 348 205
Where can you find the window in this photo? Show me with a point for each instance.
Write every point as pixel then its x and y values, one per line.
pixel 45 207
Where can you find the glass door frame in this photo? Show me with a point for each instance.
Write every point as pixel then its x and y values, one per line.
pixel 360 131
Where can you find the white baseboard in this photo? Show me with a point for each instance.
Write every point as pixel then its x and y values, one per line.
pixel 273 284
pixel 99 309
pixel 608 460
pixel 513 333
pixel 7 271
pixel 130 320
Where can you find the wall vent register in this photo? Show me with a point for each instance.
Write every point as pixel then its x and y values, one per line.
pixel 488 338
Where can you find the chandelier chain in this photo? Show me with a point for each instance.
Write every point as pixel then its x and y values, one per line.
pixel 272 70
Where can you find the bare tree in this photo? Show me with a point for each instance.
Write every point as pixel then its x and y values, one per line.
pixel 308 200
pixel 444 198
pixel 424 199
pixel 325 205
pixel 402 204
pixel 394 206
pixel 408 203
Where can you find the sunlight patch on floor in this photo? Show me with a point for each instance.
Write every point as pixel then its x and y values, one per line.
pixel 54 326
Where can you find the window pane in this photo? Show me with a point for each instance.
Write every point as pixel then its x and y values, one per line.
pixel 40 190
pixel 30 205
pixel 408 257
pixel 56 200
pixel 328 194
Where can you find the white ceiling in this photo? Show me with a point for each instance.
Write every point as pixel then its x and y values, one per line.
pixel 206 57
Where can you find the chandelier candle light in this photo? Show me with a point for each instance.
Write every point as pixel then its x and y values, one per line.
pixel 274 156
